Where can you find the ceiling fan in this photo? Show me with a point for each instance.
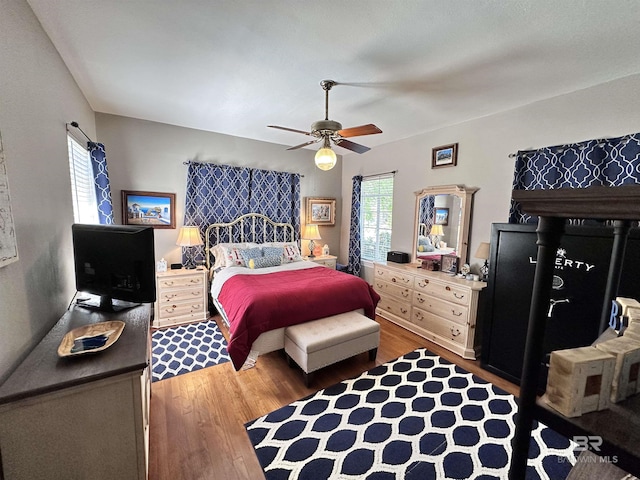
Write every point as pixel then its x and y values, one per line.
pixel 329 131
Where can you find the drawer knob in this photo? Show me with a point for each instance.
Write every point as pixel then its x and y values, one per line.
pixel 421 300
pixel 456 314
pixel 455 294
pixel 455 332
pixel 195 293
pixel 423 283
pixel 195 280
pixel 447 288
pixel 394 280
pixel 405 293
pixel 419 316
pixel 404 310
pixel 169 296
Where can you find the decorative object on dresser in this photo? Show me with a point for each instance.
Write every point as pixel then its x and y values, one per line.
pixel 430 264
pixel 435 305
pixel 182 297
pixel 188 238
pixel 483 254
pixel 444 156
pixel 449 264
pixel 154 209
pixel 459 200
pixel 397 257
pixel 311 233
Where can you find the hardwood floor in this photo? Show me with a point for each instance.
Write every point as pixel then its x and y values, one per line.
pixel 197 419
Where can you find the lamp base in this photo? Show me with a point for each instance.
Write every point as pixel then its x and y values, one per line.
pixel 312 247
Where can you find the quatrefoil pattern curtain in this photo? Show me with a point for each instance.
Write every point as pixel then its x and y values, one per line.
pixel 611 162
pixel 101 181
pixel 354 227
pixel 221 193
pixel 427 211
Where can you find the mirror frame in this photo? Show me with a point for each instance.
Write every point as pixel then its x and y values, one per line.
pixel 465 194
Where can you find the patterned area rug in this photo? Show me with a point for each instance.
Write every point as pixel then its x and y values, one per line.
pixel 185 348
pixel 417 417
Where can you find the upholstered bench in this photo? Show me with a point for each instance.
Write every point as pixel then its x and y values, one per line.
pixel 316 344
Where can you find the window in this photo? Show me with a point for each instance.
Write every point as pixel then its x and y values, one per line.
pixel 85 207
pixel 376 207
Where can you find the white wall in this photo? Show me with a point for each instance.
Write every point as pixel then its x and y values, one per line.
pixel 484 145
pixel 37 97
pixel 149 156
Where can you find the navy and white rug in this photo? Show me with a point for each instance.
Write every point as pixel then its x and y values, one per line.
pixel 416 417
pixel 185 348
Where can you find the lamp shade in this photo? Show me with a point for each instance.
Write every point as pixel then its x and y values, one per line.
pixel 483 251
pixel 311 232
pixel 436 230
pixel 189 237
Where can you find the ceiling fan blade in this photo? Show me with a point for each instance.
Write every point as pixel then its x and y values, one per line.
pixel 349 145
pixel 369 129
pixel 304 144
pixel 289 129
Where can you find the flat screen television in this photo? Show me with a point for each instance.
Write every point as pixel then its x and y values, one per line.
pixel 115 263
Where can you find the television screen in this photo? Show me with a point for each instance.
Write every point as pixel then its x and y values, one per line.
pixel 116 263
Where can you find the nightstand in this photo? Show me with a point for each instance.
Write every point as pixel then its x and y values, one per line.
pixel 181 297
pixel 326 260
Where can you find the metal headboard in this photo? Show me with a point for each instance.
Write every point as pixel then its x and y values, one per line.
pixel 251 227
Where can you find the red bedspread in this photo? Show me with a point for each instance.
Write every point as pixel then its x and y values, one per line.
pixel 257 303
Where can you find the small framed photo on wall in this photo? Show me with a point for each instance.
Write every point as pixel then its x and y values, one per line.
pixel 444 156
pixel 321 211
pixel 157 210
pixel 442 216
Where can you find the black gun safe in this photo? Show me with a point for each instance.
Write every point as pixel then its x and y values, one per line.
pixel 582 265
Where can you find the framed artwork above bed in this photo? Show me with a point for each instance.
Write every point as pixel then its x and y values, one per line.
pixel 321 211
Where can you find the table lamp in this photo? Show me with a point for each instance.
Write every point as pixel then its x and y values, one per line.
pixel 311 233
pixel 483 254
pixel 436 232
pixel 189 237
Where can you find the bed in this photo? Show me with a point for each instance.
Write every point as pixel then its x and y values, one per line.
pixel 260 284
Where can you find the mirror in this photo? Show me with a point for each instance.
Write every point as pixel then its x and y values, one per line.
pixel 442 221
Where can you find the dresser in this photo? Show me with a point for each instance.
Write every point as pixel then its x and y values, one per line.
pixel 439 307
pixel 85 416
pixel 181 296
pixel 325 260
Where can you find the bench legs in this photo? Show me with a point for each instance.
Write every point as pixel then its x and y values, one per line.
pixel 372 354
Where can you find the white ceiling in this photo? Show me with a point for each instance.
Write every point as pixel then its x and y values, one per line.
pixel 408 66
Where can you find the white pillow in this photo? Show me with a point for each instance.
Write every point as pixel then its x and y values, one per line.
pixel 219 251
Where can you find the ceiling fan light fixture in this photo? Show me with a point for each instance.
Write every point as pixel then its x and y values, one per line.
pixel 325 158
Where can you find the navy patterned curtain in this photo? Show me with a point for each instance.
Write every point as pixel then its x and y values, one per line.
pixel 427 211
pixel 221 193
pixel 101 181
pixel 611 162
pixel 354 229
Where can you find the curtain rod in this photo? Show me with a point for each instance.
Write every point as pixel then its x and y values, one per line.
pixel 189 162
pixel 75 124
pixel 393 172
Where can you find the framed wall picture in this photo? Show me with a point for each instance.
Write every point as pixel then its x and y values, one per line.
pixel 155 209
pixel 449 264
pixel 321 211
pixel 442 216
pixel 444 156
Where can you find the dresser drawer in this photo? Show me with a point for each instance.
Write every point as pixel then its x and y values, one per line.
pixel 393 289
pixel 439 326
pixel 179 309
pixel 450 292
pixel 396 307
pixel 451 311
pixel 396 278
pixel 178 282
pixel 180 295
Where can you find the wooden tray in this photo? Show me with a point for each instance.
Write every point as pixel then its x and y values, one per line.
pixel 90 338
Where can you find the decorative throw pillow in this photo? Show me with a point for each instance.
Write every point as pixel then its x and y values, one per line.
pixel 250 253
pixel 233 257
pixel 291 254
pixel 266 261
pixel 273 252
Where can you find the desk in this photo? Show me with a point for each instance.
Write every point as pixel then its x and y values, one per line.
pixel 85 416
